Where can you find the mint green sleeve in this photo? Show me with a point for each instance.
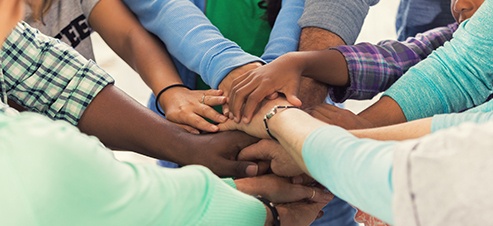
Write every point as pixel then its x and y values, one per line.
pixel 453 78
pixel 66 178
pixel 356 170
pixel 480 114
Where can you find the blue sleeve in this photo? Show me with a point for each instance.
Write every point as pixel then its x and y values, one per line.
pixel 453 78
pixel 342 17
pixel 285 34
pixel 356 170
pixel 480 114
pixel 191 38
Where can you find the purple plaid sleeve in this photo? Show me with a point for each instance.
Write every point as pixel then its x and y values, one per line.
pixel 374 68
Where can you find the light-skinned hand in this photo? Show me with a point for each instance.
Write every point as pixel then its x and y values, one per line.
pixel 282 75
pixel 191 108
pixel 281 190
pixel 281 162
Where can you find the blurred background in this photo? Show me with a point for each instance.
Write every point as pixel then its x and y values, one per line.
pixel 379 25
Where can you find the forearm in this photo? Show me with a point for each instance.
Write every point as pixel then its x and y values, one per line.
pixel 404 131
pixel 325 66
pixel 196 42
pixel 285 34
pixel 344 164
pixel 136 46
pixel 120 122
pixel 453 78
pixel 313 92
pixel 344 18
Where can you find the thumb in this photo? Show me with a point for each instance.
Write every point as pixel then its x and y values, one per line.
pixel 238 169
pixel 228 125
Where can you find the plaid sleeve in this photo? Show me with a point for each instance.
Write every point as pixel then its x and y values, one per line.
pixel 374 68
pixel 46 76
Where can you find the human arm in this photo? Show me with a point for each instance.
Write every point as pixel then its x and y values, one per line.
pixel 148 56
pixel 113 191
pixel 57 82
pixel 285 34
pixel 196 42
pixel 357 72
pixel 70 167
pixel 329 153
pixel 421 127
pixel 445 84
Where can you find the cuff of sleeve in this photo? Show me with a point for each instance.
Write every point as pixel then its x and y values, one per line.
pixel 230 182
pixel 342 18
pixel 221 206
pixel 228 61
pixel 80 92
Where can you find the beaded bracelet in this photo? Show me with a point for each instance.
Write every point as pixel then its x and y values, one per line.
pixel 275 215
pixel 164 90
pixel 270 115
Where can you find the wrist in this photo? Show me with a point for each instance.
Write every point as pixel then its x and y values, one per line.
pixel 165 89
pixel 225 84
pixel 272 216
pixel 274 111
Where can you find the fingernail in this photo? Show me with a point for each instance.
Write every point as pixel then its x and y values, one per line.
pixel 223 118
pixel 252 170
pixel 245 120
pixel 328 197
pixel 236 119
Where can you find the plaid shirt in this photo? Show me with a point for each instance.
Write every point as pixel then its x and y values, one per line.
pixel 374 68
pixel 46 76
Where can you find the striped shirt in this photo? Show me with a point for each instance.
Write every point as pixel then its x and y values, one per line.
pixel 374 68
pixel 47 76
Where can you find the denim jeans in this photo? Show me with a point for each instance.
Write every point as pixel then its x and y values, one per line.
pixel 416 16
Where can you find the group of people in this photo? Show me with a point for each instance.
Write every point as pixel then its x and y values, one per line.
pixel 275 68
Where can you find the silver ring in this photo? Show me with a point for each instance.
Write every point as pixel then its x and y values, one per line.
pixel 202 101
pixel 313 193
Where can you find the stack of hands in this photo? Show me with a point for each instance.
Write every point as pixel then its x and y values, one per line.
pixel 247 94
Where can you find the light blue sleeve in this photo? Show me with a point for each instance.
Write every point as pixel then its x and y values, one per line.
pixel 285 34
pixel 356 170
pixel 453 78
pixel 342 17
pixel 480 114
pixel 191 38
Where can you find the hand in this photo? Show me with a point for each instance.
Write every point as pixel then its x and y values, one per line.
pixel 340 117
pixel 281 162
pixel 281 190
pixel 250 89
pixel 219 151
pixel 226 83
pixel 299 213
pixel 256 127
pixel 189 108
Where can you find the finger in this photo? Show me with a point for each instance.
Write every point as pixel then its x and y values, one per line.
pixel 255 152
pixel 200 123
pixel 253 102
pixel 263 167
pixel 242 91
pixel 238 169
pixel 228 125
pixel 210 113
pixel 291 93
pixel 273 96
pixel 302 179
pixel 315 194
pixel 214 100
pixel 213 92
pixel 189 128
